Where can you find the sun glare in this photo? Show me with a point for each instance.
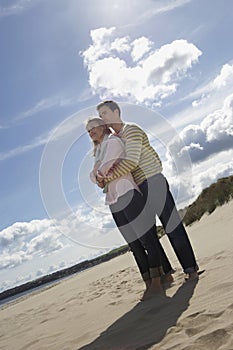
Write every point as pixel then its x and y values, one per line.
pixel 118 11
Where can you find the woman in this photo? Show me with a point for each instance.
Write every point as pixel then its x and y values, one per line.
pixel 121 196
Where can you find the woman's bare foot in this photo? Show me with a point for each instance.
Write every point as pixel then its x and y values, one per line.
pixel 154 289
pixel 152 292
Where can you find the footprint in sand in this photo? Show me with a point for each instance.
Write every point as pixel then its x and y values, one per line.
pixel 214 340
pixel 209 331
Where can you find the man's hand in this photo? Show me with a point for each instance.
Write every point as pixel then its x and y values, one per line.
pixel 100 181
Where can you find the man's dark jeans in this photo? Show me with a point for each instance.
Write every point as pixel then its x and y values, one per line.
pixel 160 202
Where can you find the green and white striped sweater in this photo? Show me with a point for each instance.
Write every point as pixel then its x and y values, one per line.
pixel 141 159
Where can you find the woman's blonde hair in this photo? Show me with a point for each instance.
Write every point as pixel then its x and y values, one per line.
pixel 97 121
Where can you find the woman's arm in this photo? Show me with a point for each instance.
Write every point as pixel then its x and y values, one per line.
pixel 94 171
pixel 114 151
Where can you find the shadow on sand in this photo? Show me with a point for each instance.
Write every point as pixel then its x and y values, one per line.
pixel 146 324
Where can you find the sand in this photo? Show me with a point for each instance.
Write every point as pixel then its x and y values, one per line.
pixel 100 308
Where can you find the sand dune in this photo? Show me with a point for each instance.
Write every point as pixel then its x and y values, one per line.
pixel 100 308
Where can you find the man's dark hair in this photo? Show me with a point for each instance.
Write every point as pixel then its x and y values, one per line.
pixel 110 104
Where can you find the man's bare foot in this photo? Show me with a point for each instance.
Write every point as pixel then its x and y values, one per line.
pixel 192 276
pixel 167 279
pixel 147 283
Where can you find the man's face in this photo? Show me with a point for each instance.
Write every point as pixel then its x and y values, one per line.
pixel 109 117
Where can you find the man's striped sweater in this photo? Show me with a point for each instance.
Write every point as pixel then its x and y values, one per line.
pixel 141 159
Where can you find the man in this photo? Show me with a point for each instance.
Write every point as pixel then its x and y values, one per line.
pixel 145 165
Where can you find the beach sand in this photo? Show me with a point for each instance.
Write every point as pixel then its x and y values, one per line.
pixel 100 308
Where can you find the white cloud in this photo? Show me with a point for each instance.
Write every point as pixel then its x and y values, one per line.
pixel 120 45
pixel 219 125
pixel 222 83
pixel 20 230
pixel 140 47
pixel 205 173
pixel 206 99
pixel 40 273
pixel 51 102
pixel 87 227
pixel 45 243
pixel 39 141
pixel 200 101
pixel 214 134
pixel 154 8
pixel 65 131
pixel 23 240
pixel 171 61
pixel 17 7
pixel 202 154
pixel 101 45
pixel 225 76
pixel 90 226
pixel 12 260
pixel 153 78
pixel 39 107
pixel 216 88
pixel 186 187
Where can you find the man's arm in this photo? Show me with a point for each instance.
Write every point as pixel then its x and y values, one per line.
pixel 133 146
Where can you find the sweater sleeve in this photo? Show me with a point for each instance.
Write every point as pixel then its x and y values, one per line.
pixel 133 138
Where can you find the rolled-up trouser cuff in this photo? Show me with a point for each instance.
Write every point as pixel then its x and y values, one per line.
pixel 146 276
pixel 156 272
pixel 191 269
pixel 170 272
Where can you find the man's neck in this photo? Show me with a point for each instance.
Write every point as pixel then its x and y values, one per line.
pixel 117 127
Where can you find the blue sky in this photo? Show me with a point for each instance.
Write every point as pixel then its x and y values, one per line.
pixel 170 66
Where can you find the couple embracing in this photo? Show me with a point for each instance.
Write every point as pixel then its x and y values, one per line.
pixel 130 172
